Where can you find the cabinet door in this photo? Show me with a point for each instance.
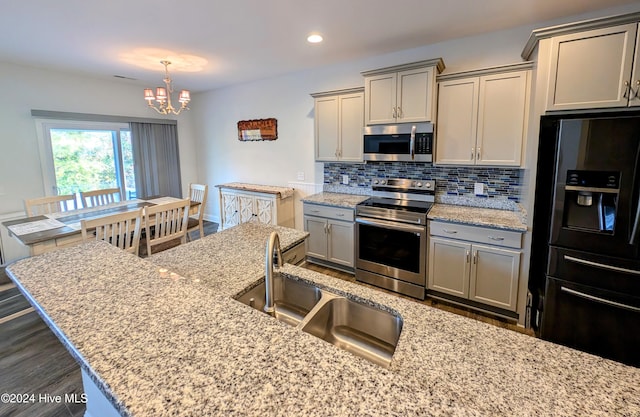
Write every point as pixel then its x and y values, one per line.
pixel 449 266
pixel 415 95
pixel 351 124
pixel 494 276
pixel 634 99
pixel 265 210
pixel 591 69
pixel 457 121
pixel 340 242
pixel 326 128
pixel 502 116
pixel 245 207
pixel 317 240
pixel 380 99
pixel 230 215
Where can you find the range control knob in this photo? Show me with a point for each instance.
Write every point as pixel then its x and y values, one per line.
pixel 375 181
pixel 383 182
pixel 419 184
pixel 427 184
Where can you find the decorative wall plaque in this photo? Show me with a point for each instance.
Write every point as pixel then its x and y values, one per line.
pixel 259 129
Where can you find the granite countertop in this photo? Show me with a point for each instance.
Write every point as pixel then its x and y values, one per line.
pixel 336 199
pixel 161 344
pixel 283 192
pixel 478 216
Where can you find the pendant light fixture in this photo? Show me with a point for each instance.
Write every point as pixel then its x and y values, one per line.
pixel 163 95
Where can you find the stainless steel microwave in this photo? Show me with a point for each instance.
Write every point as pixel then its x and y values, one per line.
pixel 401 142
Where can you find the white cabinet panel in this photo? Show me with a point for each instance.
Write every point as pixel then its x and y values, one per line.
pixel 243 206
pixel 331 234
pixel 462 266
pixel 592 69
pixel 339 119
pixel 482 120
pixel 401 94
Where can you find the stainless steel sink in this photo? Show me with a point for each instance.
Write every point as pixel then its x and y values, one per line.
pixel 365 331
pixel 293 299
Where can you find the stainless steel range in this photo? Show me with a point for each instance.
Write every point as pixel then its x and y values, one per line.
pixel 391 235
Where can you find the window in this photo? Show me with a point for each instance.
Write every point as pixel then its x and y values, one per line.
pixel 82 156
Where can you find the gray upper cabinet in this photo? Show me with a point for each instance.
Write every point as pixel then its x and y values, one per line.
pixel 591 64
pixel 338 124
pixel 594 69
pixel 483 116
pixel 401 94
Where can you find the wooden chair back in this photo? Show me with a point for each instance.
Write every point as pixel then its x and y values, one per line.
pixel 197 192
pixel 166 222
pixel 100 197
pixel 121 230
pixel 48 205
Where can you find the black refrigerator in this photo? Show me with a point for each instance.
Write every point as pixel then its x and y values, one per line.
pixel 585 258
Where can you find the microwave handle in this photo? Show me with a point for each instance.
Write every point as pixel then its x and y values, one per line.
pixel 412 143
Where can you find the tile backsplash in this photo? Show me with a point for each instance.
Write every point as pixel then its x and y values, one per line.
pixel 499 183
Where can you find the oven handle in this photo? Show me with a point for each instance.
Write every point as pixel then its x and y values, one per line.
pixel 391 225
pixel 600 300
pixel 599 265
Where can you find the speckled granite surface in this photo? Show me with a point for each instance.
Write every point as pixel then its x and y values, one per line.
pixel 166 345
pixel 336 199
pixel 284 192
pixel 500 219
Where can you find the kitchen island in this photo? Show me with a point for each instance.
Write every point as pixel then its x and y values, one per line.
pixel 159 342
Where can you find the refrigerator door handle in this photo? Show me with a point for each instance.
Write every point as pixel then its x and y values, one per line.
pixel 599 300
pixel 634 231
pixel 599 265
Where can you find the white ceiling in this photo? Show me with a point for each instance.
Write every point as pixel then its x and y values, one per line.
pixel 215 43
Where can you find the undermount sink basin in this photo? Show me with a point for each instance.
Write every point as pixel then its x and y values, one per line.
pixel 293 299
pixel 365 331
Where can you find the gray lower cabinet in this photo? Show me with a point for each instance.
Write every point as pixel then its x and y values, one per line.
pixel 331 235
pixel 462 264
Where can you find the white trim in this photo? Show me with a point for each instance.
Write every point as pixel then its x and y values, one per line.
pixel 43 127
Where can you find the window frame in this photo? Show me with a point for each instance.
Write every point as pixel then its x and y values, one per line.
pixel 43 132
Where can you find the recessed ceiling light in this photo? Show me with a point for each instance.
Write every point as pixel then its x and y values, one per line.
pixel 314 38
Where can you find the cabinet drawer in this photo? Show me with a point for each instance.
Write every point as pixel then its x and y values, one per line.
pixel 329 212
pixel 295 255
pixel 485 235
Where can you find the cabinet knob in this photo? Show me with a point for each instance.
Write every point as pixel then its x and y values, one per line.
pixel 498 238
pixel 626 89
pixel 478 154
pixel 451 232
pixel 393 112
pixel 399 112
pixel 473 152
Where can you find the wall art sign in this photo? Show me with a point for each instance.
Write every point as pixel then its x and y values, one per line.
pixel 259 129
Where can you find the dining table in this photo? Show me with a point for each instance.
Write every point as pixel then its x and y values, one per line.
pixel 48 232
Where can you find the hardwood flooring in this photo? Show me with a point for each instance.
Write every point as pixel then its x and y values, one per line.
pixel 33 361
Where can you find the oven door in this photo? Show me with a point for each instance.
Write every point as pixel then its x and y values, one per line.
pixel 393 249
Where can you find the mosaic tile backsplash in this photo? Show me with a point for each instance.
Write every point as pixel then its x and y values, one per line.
pixel 500 183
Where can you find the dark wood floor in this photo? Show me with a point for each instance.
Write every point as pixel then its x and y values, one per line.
pixel 33 361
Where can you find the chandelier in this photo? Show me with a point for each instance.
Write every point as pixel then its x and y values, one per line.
pixel 163 95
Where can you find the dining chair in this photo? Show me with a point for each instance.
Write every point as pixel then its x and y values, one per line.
pixel 166 222
pixel 100 197
pixel 121 230
pixel 197 193
pixel 48 205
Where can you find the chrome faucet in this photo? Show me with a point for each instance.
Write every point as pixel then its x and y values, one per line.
pixel 273 242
